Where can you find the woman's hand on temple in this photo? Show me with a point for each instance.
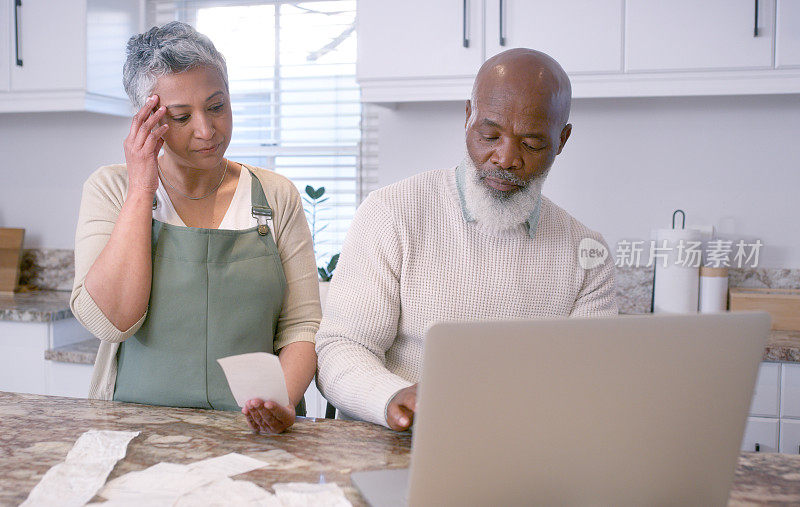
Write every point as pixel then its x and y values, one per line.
pixel 142 146
pixel 268 416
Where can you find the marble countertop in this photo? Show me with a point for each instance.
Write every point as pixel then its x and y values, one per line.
pixel 35 306
pixel 38 431
pixel 82 352
pixel 48 306
pixel 782 346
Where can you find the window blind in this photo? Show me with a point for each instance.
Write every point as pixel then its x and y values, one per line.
pixel 296 104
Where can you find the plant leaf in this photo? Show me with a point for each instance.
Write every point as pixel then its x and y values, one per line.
pixel 323 200
pixel 322 228
pixel 332 264
pixel 310 191
pixel 323 275
pixel 319 192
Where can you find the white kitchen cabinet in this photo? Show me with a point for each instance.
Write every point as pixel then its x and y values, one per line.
pixel 6 44
pixel 52 56
pixel 787 34
pixel 68 379
pixel 582 35
pixel 790 390
pixel 71 53
pixel 760 435
pixel 610 48
pixel 766 396
pixel 23 368
pixel 790 436
pixel 402 41
pixel 691 35
pixel 22 347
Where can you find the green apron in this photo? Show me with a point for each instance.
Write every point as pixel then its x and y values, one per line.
pixel 215 293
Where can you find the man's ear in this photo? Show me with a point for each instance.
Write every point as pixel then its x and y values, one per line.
pixel 469 113
pixel 565 132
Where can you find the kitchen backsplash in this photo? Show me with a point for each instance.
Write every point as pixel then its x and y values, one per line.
pixel 54 269
pixel 47 269
pixel 635 285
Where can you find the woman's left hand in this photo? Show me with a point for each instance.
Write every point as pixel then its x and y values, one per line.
pixel 268 416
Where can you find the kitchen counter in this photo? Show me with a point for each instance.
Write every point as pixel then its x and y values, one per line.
pixel 38 431
pixel 35 306
pixel 781 346
pixel 48 306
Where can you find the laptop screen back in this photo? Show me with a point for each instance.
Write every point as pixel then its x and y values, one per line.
pixel 628 410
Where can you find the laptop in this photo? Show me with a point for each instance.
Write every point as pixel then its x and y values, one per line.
pixel 630 410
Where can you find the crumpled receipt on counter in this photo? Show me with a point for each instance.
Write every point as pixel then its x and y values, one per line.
pixel 208 482
pixel 164 483
pixel 86 467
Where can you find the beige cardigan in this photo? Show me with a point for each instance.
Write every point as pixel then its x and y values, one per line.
pixel 103 195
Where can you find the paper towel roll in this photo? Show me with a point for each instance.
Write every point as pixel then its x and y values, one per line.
pixel 676 285
pixel 713 289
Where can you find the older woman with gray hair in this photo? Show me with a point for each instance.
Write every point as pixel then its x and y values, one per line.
pixel 183 256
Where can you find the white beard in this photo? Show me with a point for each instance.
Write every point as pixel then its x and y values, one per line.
pixel 496 209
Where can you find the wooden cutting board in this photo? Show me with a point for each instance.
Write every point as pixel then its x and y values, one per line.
pixel 10 257
pixel 782 304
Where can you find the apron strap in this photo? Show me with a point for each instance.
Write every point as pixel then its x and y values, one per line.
pixel 261 210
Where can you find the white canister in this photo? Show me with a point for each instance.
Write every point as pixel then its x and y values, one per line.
pixel 713 289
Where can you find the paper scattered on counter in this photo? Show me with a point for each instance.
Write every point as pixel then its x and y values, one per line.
pixel 165 483
pixel 84 470
pixel 306 494
pixel 227 465
pixel 224 492
pixel 255 375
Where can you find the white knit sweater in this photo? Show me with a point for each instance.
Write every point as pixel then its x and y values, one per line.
pixel 410 258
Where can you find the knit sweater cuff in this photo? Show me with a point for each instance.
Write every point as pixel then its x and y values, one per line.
pixel 300 334
pixel 89 314
pixel 380 394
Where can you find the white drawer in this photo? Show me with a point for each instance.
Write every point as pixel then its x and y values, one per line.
pixel 761 433
pixel 766 394
pixel 790 390
pixel 790 436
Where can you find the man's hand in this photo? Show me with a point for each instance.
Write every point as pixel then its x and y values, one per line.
pixel 268 416
pixel 400 412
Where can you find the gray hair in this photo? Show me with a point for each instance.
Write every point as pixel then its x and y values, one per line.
pixel 168 49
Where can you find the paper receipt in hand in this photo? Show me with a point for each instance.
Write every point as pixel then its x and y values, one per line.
pixel 255 375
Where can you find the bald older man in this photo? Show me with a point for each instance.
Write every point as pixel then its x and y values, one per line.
pixel 475 242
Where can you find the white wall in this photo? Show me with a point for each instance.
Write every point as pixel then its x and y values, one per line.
pixel 44 160
pixel 728 161
pixel 732 162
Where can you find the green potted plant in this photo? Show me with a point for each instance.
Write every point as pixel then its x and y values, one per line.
pixel 315 207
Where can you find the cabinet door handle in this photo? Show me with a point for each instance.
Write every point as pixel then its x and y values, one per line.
pixel 755 21
pixel 502 27
pixel 464 38
pixel 18 31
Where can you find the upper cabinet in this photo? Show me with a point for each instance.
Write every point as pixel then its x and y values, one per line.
pixel 560 29
pixel 418 51
pixel 430 39
pixel 65 55
pixel 5 46
pixel 787 34
pixel 403 46
pixel 698 35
